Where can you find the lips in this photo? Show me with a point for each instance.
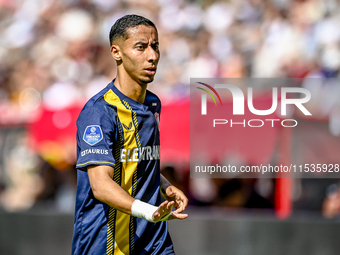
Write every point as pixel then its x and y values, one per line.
pixel 150 70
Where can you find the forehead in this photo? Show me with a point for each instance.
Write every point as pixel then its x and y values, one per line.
pixel 142 33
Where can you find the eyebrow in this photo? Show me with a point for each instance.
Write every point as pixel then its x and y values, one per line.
pixel 145 43
pixel 140 42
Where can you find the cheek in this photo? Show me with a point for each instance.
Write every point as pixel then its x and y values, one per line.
pixel 132 64
pixel 133 59
pixel 129 61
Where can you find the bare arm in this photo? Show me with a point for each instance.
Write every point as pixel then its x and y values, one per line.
pixel 109 192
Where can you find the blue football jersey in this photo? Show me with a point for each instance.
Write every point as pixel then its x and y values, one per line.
pixel 115 130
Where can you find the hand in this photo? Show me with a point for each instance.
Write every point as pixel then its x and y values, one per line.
pixel 175 195
pixel 164 209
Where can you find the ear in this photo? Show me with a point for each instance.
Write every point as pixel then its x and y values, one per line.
pixel 115 52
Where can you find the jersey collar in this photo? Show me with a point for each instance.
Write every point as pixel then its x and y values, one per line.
pixel 133 103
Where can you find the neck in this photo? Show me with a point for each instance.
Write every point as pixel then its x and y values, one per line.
pixel 130 87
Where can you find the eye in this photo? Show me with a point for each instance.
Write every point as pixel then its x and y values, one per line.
pixel 139 47
pixel 155 46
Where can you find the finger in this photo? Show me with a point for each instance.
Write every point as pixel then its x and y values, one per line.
pixel 185 202
pixel 171 194
pixel 165 208
pixel 178 210
pixel 170 205
pixel 178 216
pixel 182 203
pixel 156 215
pixel 160 211
pixel 168 209
pixel 163 204
pixel 179 206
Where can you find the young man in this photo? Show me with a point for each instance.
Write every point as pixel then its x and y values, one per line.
pixel 118 205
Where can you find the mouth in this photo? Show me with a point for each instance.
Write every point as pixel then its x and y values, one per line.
pixel 150 70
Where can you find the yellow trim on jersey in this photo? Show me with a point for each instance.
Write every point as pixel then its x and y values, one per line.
pixel 102 162
pixel 125 115
pixel 117 178
pixel 134 180
pixel 110 230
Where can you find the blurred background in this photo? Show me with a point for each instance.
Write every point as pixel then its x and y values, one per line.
pixel 54 55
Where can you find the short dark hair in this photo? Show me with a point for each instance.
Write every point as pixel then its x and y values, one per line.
pixel 119 28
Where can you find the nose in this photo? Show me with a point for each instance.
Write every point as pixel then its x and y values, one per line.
pixel 152 55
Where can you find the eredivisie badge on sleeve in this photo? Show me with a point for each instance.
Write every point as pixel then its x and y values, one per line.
pixel 93 134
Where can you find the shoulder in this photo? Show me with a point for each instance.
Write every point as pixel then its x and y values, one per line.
pixel 97 115
pixel 98 98
pixel 152 101
pixel 96 110
pixel 151 96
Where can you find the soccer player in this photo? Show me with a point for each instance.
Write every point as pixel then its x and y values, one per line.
pixel 118 205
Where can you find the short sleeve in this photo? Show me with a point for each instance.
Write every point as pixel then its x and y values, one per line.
pixel 96 138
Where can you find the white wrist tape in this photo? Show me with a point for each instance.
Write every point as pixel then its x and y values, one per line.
pixel 143 210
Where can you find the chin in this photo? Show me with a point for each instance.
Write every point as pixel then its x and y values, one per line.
pixel 146 80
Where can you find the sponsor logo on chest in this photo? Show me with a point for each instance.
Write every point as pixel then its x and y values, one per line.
pixel 140 153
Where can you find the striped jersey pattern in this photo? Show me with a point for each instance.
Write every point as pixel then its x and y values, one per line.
pixel 115 130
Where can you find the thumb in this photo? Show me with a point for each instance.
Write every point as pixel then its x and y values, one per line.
pixel 171 193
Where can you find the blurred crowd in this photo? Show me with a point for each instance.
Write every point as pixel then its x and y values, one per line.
pixel 55 54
